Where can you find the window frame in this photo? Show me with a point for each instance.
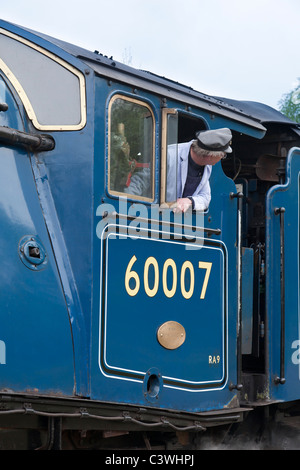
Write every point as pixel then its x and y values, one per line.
pixel 164 149
pixel 26 101
pixel 145 104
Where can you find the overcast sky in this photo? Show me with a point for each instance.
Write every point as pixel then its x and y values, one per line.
pixel 239 49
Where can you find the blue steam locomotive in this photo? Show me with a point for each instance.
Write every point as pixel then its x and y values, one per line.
pixel 119 316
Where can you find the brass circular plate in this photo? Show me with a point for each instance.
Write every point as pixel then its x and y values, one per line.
pixel 171 335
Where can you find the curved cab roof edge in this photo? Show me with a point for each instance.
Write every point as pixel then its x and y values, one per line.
pixel 252 114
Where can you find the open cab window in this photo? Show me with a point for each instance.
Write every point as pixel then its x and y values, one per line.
pixel 130 148
pixel 177 127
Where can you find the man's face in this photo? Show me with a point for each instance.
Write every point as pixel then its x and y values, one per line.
pixel 207 160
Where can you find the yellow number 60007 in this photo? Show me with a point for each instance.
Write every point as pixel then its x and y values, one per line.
pixel 169 264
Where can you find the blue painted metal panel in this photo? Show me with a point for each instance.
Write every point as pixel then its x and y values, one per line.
pixel 66 209
pixel 37 349
pixel 286 196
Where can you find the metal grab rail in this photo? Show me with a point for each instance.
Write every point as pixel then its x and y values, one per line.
pixel 281 380
pixel 212 231
pixel 239 196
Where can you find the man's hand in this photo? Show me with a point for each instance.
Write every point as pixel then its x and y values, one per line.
pixel 183 204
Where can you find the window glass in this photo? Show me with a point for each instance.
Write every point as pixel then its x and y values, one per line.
pixel 49 88
pixel 131 148
pixel 172 163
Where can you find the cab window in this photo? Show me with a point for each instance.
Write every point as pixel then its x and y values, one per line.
pixel 177 127
pixel 130 148
pixel 52 91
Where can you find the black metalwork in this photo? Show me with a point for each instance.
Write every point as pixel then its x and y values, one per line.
pixel 37 142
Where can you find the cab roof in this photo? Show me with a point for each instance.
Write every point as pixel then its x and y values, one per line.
pixel 254 114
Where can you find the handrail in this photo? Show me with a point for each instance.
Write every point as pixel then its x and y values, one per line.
pixel 214 231
pixel 239 196
pixel 281 380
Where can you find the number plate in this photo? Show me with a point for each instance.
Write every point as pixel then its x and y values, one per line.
pixel 147 283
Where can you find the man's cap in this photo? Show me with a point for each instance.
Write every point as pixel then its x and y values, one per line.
pixel 216 140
